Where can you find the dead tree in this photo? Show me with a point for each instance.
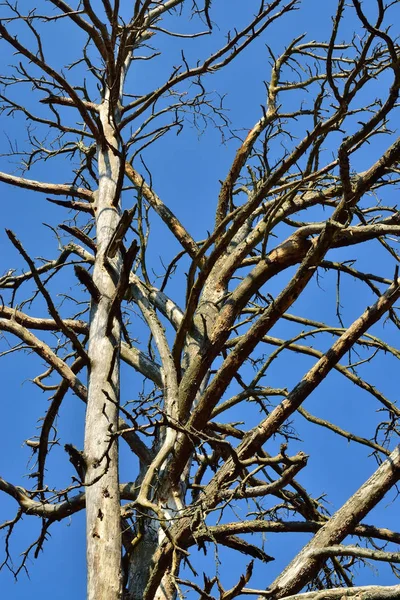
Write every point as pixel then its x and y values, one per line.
pixel 214 429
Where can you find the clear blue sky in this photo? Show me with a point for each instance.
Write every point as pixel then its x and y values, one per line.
pixel 186 172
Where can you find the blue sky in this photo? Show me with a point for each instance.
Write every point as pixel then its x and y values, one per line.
pixel 186 173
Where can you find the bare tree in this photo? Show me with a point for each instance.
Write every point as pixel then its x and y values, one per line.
pixel 214 431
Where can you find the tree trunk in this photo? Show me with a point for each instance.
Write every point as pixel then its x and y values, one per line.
pixel 101 446
pixel 141 560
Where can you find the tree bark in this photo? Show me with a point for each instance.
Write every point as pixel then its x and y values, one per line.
pixel 101 446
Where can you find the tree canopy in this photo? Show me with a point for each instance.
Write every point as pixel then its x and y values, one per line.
pixel 208 314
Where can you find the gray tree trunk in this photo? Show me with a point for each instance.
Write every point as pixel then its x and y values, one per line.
pixel 101 446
